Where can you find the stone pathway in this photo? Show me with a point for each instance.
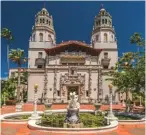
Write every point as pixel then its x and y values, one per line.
pixel 22 129
pixel 8 128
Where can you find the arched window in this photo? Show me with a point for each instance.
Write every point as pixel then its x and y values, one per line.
pixel 105 37
pixel 41 37
pixel 33 38
pixel 96 23
pixel 40 20
pixel 112 37
pixel 97 37
pixel 109 22
pixel 43 20
pixel 47 21
pixel 99 22
pixel 49 38
pixel 102 21
pixel 105 21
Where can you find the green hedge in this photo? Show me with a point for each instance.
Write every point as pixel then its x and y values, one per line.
pixel 57 120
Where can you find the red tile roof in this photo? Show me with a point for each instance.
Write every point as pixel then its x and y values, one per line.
pixel 77 44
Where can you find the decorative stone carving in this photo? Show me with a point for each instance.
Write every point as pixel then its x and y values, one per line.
pixel 55 83
pixel 100 90
pixel 74 79
pixel 45 85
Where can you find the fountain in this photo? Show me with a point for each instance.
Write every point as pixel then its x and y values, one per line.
pixel 72 119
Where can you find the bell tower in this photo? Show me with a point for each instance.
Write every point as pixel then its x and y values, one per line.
pixel 103 37
pixel 43 36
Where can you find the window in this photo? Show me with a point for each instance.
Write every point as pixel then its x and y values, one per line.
pixel 109 22
pixel 43 20
pixel 33 38
pixel 49 38
pixel 105 37
pixel 72 72
pixel 105 55
pixel 97 37
pixel 105 67
pixel 105 21
pixel 40 20
pixel 40 54
pixel 47 21
pixel 102 21
pixel 58 93
pixel 99 22
pixel 87 94
pixel 112 37
pixel 96 23
pixel 40 66
pixel 41 37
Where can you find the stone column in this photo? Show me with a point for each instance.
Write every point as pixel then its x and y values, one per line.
pixel 100 91
pixel 35 115
pixel 45 86
pixel 55 83
pixel 110 114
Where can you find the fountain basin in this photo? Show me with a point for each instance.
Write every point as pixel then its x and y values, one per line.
pixel 10 116
pixel 32 124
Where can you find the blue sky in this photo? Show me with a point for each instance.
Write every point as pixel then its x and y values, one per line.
pixel 72 21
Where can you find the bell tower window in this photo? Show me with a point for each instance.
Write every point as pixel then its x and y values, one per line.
pixel 97 37
pixel 105 21
pixel 49 38
pixel 33 38
pixel 102 21
pixel 105 37
pixel 40 20
pixel 43 20
pixel 41 37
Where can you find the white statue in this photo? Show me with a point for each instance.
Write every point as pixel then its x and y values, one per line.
pixel 74 101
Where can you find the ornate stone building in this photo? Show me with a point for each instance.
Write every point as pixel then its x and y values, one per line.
pixel 59 69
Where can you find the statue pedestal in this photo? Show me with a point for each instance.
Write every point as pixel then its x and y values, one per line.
pixel 18 107
pixel 72 116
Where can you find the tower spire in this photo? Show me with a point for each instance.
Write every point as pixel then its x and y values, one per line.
pixel 44 5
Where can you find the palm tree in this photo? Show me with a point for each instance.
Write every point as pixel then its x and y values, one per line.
pixel 17 56
pixel 7 34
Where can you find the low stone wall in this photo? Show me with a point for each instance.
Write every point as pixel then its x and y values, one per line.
pixel 4 117
pixel 128 122
pixel 113 126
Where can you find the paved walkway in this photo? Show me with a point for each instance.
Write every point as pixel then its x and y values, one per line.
pixel 22 129
pixel 8 128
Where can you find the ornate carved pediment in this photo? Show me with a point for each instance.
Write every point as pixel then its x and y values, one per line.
pixel 74 79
